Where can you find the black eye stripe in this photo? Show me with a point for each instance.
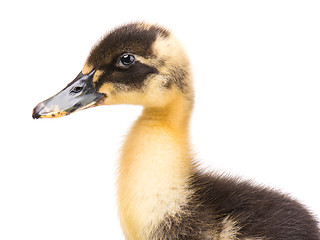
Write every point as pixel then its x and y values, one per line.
pixel 132 77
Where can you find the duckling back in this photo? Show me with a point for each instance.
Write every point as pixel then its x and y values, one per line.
pixel 227 208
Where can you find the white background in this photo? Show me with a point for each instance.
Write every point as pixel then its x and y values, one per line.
pixel 257 112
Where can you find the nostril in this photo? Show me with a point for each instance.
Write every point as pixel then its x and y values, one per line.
pixel 76 89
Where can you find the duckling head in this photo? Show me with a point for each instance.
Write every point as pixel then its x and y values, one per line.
pixel 138 63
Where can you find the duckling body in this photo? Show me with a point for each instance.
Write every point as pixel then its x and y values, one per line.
pixel 162 193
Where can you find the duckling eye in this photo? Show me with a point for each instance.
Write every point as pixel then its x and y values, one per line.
pixel 126 60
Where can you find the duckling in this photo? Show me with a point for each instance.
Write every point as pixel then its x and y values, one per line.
pixel 162 193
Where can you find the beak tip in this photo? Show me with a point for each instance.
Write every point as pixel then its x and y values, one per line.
pixel 37 110
pixel 35 114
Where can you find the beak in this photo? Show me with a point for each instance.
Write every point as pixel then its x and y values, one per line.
pixel 77 95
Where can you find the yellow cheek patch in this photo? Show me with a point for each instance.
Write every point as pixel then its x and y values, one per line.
pixel 97 75
pixel 87 69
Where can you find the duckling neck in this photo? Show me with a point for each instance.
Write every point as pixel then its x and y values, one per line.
pixel 154 168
